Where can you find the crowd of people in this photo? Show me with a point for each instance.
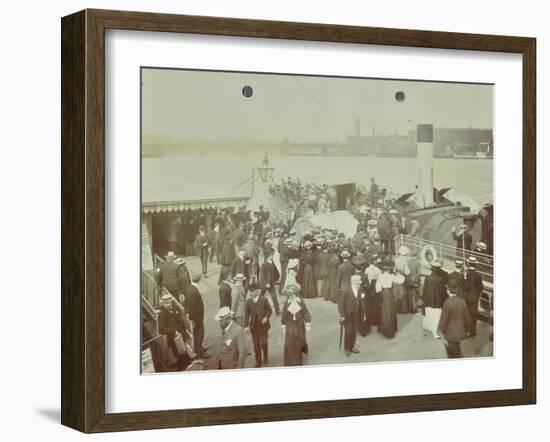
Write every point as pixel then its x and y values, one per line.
pixel 267 270
pixel 320 198
pixel 370 283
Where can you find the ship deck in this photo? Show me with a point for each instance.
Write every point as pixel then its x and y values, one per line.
pixel 411 342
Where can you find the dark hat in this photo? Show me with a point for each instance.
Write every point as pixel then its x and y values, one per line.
pixel 387 264
pixel 253 286
pixel 452 284
pixel 195 276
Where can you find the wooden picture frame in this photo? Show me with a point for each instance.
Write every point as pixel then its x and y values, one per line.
pixel 83 219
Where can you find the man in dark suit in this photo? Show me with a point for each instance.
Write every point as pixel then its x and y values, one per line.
pixel 227 255
pixel 344 273
pixel 453 324
pixel 194 307
pixel 460 277
pixel 473 288
pixel 268 278
pixel 183 275
pixel 202 247
pixel 171 324
pixel 256 319
pixel 231 349
pixel 226 286
pixel 350 308
pixel 169 277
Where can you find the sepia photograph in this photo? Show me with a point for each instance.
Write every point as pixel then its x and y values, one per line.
pixel 299 220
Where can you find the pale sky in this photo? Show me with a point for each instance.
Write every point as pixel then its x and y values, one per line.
pixel 210 105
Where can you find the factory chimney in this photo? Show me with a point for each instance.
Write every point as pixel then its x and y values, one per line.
pixel 425 155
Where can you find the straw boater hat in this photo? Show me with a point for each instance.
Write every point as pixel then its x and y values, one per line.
pixel 171 255
pixel 289 241
pixel 436 264
pixel 404 250
pixel 372 222
pixel 308 244
pixel 459 263
pixel 180 261
pixel 239 277
pixel 223 313
pixel 481 246
pixel 196 276
pixel 472 260
pixel 292 263
pixel 345 254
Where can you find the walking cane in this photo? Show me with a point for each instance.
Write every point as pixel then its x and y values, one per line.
pixel 341 336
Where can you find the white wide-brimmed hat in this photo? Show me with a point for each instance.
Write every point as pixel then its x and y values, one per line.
pixel 293 263
pixel 223 313
pixel 239 277
pixel 404 250
pixel 481 246
pixel 171 255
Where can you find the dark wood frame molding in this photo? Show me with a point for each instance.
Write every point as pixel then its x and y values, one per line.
pixel 83 217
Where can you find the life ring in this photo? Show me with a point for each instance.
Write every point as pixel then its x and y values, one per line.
pixel 423 259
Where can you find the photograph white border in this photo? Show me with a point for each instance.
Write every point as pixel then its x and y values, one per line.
pixel 126 390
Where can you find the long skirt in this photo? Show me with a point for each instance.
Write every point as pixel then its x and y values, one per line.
pixel 309 285
pixel 295 344
pixel 388 318
pixel 373 308
pixel 326 288
pixel 431 320
pixel 330 291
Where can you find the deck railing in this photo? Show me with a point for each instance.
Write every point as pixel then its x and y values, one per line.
pixel 448 254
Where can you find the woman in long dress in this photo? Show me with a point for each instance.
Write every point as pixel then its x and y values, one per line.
pixel 296 321
pixel 308 282
pixel 388 317
pixel 373 300
pixel 330 291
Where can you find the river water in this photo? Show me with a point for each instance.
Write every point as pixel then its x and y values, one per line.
pixel 471 180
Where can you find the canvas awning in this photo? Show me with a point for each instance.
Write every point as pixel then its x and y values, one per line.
pixel 169 206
